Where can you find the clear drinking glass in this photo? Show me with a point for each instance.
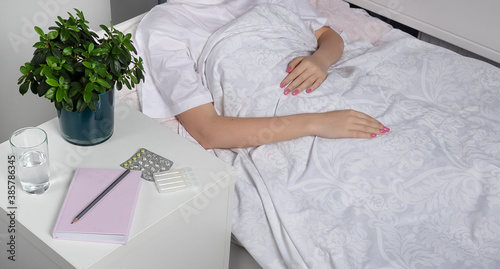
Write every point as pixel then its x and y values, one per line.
pixel 30 148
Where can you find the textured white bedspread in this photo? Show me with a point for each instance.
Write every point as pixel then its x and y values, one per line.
pixel 427 195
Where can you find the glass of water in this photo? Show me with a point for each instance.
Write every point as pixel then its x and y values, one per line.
pixel 30 148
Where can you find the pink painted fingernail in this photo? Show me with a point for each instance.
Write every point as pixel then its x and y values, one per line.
pixel 373 135
pixel 386 129
pixel 295 92
pixel 382 131
pixel 287 91
pixel 309 90
pixel 283 84
pixel 288 69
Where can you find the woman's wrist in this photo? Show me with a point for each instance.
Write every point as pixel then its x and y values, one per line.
pixel 310 123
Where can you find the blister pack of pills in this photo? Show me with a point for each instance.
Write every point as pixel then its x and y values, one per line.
pixel 148 162
pixel 175 179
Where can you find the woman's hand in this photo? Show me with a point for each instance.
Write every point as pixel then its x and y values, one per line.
pixel 308 72
pixel 346 124
pixel 305 73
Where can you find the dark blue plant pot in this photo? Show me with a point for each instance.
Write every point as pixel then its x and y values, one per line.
pixel 89 127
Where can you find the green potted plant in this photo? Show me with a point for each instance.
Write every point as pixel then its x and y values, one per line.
pixel 77 70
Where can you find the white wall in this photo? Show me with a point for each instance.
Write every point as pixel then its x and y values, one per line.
pixel 16 39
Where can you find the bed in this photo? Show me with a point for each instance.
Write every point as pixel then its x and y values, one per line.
pixel 425 195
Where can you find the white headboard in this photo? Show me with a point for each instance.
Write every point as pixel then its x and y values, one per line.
pixel 471 25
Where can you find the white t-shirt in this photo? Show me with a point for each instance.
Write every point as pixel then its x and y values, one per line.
pixel 171 38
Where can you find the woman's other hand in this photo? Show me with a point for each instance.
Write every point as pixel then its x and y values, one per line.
pixel 346 124
pixel 306 73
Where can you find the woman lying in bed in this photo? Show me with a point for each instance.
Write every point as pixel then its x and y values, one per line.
pixel 426 195
pixel 171 39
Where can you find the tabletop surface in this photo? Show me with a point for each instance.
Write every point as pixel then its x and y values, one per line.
pixel 133 130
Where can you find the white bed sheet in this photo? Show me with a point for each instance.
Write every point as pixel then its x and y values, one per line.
pixel 426 195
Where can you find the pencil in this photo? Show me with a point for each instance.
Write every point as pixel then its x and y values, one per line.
pixel 92 204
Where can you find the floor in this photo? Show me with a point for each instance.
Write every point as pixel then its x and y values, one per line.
pixel 240 259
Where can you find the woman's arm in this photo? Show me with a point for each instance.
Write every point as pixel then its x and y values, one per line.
pixel 214 131
pixel 308 72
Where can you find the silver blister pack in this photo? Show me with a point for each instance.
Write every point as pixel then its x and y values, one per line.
pixel 148 162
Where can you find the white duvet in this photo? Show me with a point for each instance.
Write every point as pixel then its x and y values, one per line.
pixel 427 195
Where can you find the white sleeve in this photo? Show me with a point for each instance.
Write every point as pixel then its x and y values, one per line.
pixel 171 84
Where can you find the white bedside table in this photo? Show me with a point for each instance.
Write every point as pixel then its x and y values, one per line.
pixel 185 229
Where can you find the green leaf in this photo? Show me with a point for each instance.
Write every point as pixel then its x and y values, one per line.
pixel 69 68
pixel 60 45
pixel 103 82
pixel 87 96
pixel 40 45
pixel 80 105
pixel 68 105
pixel 128 45
pixel 55 51
pixel 38 71
pixel 67 51
pixel 105 28
pixel 60 93
pixel 78 51
pixel 115 67
pixel 127 55
pixel 127 83
pixel 39 31
pixel 75 36
pixel 123 59
pixel 64 34
pixel 92 106
pixel 134 79
pixel 58 106
pixel 72 92
pixel 52 35
pixel 116 50
pixel 139 74
pixel 104 50
pixel 24 87
pixel 87 64
pixel 50 93
pixel 40 89
pixel 120 36
pixel 89 88
pixel 46 71
pixel 52 82
pixel 91 47
pixel 96 52
pixel 53 61
pixel 21 79
pixel 39 57
pixel 34 87
pixel 102 71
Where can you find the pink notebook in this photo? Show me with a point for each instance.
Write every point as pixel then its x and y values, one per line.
pixel 110 219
